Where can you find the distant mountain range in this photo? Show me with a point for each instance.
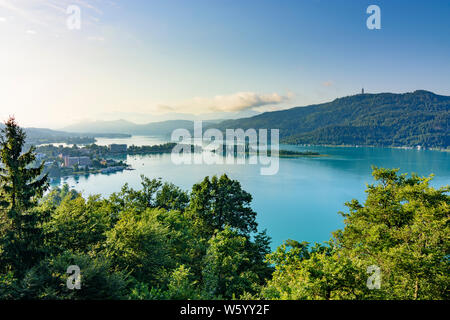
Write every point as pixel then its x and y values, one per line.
pixel 385 119
pixel 38 133
pixel 36 136
pixel 123 126
pixel 163 128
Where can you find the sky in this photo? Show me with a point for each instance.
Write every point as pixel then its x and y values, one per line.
pixel 152 60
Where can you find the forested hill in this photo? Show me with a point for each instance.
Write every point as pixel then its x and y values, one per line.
pixel 385 119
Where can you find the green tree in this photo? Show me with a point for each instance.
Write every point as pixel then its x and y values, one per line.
pixel 317 273
pixel 181 285
pixel 21 185
pixel 48 279
pixel 227 267
pixel 402 229
pixel 153 194
pixel 138 244
pixel 8 286
pixel 171 197
pixel 184 247
pixel 54 198
pixel 78 225
pixel 221 202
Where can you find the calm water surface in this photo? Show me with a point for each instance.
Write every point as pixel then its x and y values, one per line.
pixel 300 202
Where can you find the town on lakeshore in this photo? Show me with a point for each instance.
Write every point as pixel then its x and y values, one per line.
pixel 61 161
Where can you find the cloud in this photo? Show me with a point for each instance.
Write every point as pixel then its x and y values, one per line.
pixel 240 101
pixel 31 31
pixel 2 19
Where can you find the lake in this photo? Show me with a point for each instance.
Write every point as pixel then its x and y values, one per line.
pixel 301 201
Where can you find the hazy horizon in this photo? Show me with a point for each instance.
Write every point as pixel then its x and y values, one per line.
pixel 138 119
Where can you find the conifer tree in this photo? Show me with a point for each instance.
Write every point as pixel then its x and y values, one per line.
pixel 21 185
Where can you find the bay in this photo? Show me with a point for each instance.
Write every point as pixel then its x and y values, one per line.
pixel 300 202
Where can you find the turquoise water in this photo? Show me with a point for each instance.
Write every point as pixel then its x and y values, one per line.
pixel 301 202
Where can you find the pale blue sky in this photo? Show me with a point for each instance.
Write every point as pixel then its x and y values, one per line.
pixel 151 60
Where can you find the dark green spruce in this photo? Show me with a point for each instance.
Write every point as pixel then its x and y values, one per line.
pixel 21 185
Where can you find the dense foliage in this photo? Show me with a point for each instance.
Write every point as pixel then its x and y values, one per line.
pixel 402 230
pixel 385 119
pixel 161 242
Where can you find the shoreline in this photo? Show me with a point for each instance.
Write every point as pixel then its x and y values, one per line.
pixel 368 146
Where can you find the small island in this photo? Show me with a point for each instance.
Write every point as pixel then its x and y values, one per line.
pixel 281 153
pixel 288 153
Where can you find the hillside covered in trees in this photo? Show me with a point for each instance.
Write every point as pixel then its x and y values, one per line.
pixel 37 136
pixel 160 242
pixel 385 119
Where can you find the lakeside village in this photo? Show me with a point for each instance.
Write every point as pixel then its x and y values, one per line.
pixel 62 161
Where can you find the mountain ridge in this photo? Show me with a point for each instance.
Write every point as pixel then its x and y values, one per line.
pixel 376 119
pixel 127 127
pixel 161 128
